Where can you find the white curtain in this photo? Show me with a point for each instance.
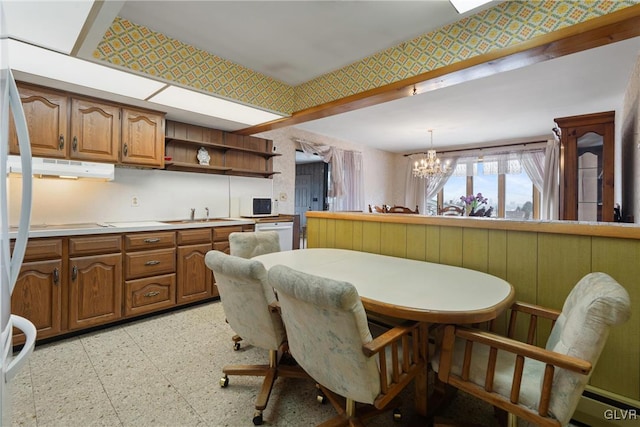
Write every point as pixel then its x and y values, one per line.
pixel 533 165
pixel 418 191
pixel 346 188
pixel 551 181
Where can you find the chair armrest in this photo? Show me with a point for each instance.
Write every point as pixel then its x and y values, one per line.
pixel 392 335
pixel 535 310
pixel 522 349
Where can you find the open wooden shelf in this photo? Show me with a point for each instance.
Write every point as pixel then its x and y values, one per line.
pixel 222 147
pixel 230 154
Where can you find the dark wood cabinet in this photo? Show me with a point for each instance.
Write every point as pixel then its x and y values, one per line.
pixel 37 295
pixel 95 290
pixel 142 138
pixel 47 113
pixel 587 167
pixel 95 131
pixel 70 126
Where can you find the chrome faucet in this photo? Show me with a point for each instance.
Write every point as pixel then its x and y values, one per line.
pixel 193 214
pixel 207 211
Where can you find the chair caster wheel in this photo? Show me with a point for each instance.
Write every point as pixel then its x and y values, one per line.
pixel 224 381
pixel 257 418
pixel 236 346
pixel 321 398
pixel 397 415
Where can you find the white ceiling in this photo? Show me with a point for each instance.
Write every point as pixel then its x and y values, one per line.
pixel 297 41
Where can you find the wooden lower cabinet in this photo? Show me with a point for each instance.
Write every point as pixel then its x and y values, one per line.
pixel 149 294
pixel 95 290
pixel 37 296
pixel 194 278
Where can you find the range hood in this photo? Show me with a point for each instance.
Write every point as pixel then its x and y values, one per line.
pixel 61 168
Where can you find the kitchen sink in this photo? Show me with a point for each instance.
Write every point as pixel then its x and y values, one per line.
pixel 196 221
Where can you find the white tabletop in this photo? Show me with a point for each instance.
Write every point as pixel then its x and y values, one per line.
pixel 403 287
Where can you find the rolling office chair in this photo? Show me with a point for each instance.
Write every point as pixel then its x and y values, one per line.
pixel 330 338
pixel 249 306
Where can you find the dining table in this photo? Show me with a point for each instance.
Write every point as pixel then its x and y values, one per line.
pixel 406 289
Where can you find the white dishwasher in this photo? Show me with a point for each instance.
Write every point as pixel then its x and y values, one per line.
pixel 284 229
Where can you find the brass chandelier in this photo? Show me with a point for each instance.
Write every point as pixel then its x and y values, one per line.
pixel 430 166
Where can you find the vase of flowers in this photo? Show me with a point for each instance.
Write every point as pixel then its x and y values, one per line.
pixel 472 202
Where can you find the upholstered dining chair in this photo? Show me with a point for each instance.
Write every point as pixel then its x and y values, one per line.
pixel 253 243
pixel 249 306
pixel 329 337
pixel 540 385
pixel 248 244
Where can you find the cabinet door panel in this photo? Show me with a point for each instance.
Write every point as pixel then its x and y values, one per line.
pixel 37 297
pixel 95 290
pixel 46 113
pixel 142 138
pixel 194 278
pixel 95 131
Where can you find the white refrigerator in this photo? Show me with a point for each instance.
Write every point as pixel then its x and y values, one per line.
pixel 11 109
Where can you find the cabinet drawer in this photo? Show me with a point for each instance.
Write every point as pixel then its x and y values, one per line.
pixel 144 241
pixel 150 263
pixel 222 233
pixel 150 294
pixel 42 249
pixel 95 245
pixel 190 237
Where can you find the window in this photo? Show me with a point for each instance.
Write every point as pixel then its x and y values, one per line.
pixel 501 179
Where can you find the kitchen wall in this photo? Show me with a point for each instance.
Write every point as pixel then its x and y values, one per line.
pixel 161 195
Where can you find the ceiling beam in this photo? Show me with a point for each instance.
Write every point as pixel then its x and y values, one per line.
pixel 610 28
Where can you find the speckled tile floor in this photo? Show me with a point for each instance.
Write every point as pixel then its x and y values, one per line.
pixel 165 371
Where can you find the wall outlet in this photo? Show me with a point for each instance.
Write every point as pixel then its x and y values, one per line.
pixel 135 201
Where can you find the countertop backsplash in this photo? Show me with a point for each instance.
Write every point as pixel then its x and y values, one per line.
pixel 159 194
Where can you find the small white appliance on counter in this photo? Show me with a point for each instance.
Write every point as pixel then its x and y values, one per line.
pixel 10 263
pixel 257 207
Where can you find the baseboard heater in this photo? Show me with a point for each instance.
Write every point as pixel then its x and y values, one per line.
pixel 598 408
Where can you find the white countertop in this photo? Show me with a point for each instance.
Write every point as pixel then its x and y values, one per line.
pixel 61 230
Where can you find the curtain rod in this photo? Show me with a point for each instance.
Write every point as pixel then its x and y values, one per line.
pixel 494 148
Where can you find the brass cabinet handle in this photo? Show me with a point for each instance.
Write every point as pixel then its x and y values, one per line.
pixel 125 149
pixel 152 262
pixel 61 142
pixel 155 240
pixel 74 145
pixel 151 294
pixel 56 276
pixel 74 273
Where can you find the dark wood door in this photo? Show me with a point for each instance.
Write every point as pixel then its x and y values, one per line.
pixel 95 290
pixel 46 112
pixel 37 297
pixel 194 278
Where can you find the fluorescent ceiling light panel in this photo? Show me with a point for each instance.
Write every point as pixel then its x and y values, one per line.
pixel 52 24
pixel 197 102
pixel 463 6
pixel 41 62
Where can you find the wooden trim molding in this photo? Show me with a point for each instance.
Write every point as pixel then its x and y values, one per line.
pixel 607 29
pixel 600 229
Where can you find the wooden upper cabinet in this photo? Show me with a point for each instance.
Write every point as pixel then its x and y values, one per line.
pixel 46 113
pixel 587 167
pixel 95 131
pixel 142 138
